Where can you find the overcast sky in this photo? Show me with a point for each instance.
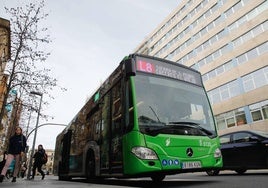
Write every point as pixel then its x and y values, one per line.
pixel 90 38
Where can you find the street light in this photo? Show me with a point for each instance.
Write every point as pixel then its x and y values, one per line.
pixel 35 132
pixel 44 124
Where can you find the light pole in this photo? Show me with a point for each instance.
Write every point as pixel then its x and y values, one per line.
pixel 35 132
pixel 28 124
pixel 44 124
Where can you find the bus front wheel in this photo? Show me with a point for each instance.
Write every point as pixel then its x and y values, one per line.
pixel 64 178
pixel 240 171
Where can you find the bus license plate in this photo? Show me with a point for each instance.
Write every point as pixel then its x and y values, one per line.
pixel 193 164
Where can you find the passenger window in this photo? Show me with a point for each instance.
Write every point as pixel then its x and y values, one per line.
pixel 225 139
pixel 241 137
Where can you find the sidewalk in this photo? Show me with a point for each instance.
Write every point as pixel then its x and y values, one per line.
pixel 36 183
pixel 50 181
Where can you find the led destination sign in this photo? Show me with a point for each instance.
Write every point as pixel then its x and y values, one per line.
pixel 168 70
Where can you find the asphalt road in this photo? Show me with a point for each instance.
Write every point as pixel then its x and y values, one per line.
pixel 251 179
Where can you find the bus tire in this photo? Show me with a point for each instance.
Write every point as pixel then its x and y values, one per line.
pixel 158 177
pixel 240 171
pixel 213 172
pixel 64 178
pixel 90 168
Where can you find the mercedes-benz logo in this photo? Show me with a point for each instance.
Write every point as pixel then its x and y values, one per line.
pixel 189 152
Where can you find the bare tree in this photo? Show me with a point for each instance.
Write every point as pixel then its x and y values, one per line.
pixel 27 69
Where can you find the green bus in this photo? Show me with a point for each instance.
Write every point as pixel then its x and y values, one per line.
pixel 150 118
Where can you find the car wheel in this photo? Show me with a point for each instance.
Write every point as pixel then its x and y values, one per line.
pixel 240 171
pixel 213 172
pixel 158 177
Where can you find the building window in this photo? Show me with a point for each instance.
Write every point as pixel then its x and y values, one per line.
pixel 211 74
pixel 255 79
pixel 229 12
pixel 256 115
pixel 247 17
pixel 220 121
pixel 240 117
pixel 248 83
pixel 229 119
pixel 242 58
pixel 259 111
pixel 214 96
pixel 224 92
pixel 265 111
pixel 252 54
pixel 219 70
pixel 249 35
pixel 263 48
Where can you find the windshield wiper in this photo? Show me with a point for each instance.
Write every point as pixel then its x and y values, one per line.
pixel 180 128
pixel 146 120
pixel 155 131
pixel 192 125
pixel 155 113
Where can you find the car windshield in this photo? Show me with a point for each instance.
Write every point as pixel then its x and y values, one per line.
pixel 169 106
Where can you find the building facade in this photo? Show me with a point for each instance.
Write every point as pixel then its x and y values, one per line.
pixel 48 167
pixel 227 41
pixel 4 57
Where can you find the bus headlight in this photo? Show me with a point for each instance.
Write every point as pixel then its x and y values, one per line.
pixel 217 153
pixel 144 153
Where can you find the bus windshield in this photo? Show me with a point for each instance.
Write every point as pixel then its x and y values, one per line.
pixel 170 106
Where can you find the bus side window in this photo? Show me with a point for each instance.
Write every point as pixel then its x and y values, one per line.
pixel 97 131
pixel 94 124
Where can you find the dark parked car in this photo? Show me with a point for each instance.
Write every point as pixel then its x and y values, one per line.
pixel 243 150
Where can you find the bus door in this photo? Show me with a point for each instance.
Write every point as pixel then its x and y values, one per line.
pixel 65 153
pixel 111 132
pixel 116 158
